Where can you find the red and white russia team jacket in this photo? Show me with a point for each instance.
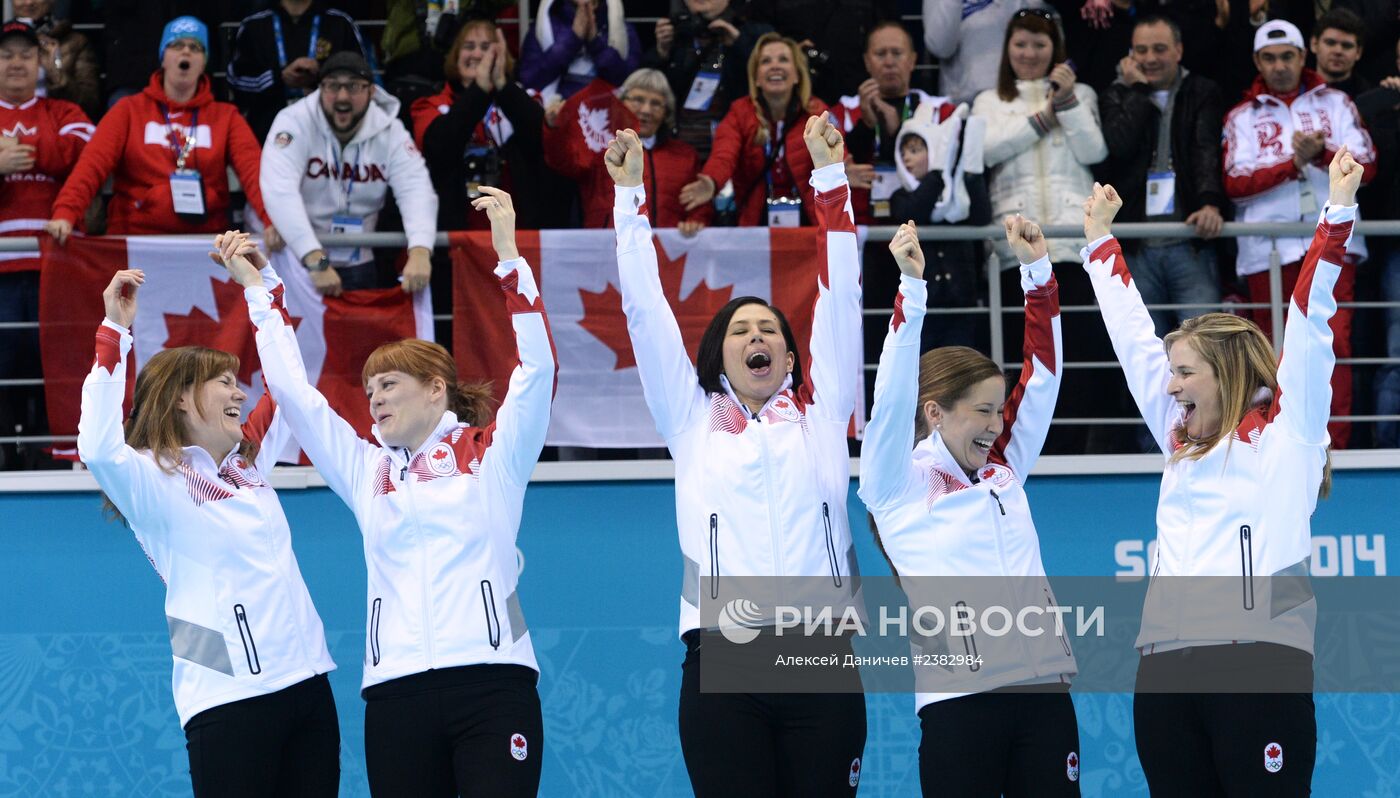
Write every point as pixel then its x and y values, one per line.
pixel 440 523
pixel 1242 511
pixel 757 494
pixel 241 621
pixel 936 522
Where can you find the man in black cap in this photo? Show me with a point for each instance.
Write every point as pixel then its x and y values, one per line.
pixel 327 163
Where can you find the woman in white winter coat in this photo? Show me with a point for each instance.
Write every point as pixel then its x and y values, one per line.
pixel 1043 134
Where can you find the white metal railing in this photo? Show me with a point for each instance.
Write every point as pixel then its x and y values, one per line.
pixel 993 310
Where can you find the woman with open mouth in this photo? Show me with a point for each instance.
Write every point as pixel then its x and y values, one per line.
pixel 1223 703
pixel 249 652
pixel 762 478
pixel 951 515
pixel 451 705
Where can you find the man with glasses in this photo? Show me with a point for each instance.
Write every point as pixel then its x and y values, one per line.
pixel 1277 145
pixel 326 165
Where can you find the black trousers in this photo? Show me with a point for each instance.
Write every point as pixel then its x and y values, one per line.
pixel 285 743
pixel 474 730
pixel 767 745
pixel 1016 744
pixel 1216 744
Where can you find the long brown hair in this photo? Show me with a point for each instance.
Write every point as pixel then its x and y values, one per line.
pixel 801 93
pixel 1034 20
pixel 449 63
pixel 1243 361
pixel 424 360
pixel 156 422
pixel 946 375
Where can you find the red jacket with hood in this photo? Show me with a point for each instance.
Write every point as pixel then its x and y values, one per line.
pixel 135 144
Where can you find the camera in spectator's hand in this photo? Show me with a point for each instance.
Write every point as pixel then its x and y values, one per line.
pixel 689 26
pixel 483 168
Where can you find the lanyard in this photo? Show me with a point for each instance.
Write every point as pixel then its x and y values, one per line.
pixel 346 183
pixel 282 49
pixel 191 139
pixel 773 155
pixel 904 116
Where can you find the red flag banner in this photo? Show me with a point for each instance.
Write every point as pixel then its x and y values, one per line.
pixel 189 300
pixel 599 402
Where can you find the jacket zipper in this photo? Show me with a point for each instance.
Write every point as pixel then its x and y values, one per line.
pixel 374 631
pixel 997 499
pixel 426 595
pixel 970 645
pixel 1247 565
pixel 1048 602
pixel 250 649
pixel 830 545
pixel 714 555
pixel 493 623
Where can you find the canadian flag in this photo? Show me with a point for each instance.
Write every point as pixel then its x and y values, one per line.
pixel 190 300
pixel 599 402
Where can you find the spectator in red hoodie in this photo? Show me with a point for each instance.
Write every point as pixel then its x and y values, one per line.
pixel 759 146
pixel 589 119
pixel 168 150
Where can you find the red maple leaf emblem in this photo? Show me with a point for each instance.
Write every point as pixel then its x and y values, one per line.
pixel 231 333
pixel 439 454
pixel 517 741
pixel 898 319
pixel 1273 752
pixel 1073 760
pixel 602 310
pixel 855 766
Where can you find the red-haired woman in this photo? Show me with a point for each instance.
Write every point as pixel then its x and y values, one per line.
pixel 948 499
pixel 189 480
pixel 450 671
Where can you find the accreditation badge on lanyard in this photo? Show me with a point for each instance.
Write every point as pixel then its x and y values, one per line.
pixel 186 185
pixel 282 49
pixel 702 91
pixel 1161 193
pixel 885 184
pixel 346 222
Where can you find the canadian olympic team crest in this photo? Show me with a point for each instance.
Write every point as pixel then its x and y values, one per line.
pixel 854 777
pixel 441 460
pixel 519 748
pixel 1273 757
pixel 786 410
pixel 995 474
pixel 1072 766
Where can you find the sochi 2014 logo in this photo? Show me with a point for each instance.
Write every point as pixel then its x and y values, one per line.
pixel 739 621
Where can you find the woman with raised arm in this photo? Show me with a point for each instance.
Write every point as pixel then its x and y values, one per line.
pixel 249 653
pixel 1224 702
pixel 950 511
pixel 762 478
pixel 450 672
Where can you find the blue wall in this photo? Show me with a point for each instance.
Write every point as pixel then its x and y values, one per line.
pixel 85 705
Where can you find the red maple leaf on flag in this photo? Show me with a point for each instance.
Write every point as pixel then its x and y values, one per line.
pixel 1273 752
pixel 231 332
pixel 602 310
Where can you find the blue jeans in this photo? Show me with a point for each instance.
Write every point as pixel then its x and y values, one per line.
pixel 1177 273
pixel 1388 378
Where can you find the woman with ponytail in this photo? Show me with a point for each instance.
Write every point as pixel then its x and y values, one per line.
pixel 953 520
pixel 1223 702
pixel 450 671
pixel 249 653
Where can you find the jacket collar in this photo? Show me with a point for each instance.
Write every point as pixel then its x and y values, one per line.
pixel 401 456
pixel 1259 92
pixel 199 459
pixel 932 452
pixel 729 391
pixel 203 95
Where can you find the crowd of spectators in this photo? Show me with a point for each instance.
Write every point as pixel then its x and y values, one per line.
pixel 300 121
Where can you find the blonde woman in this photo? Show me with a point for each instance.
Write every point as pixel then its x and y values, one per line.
pixel 1224 686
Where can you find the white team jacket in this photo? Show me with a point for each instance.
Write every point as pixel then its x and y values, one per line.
pixel 308 179
pixel 1242 512
pixel 439 523
pixel 935 522
pixel 241 621
pixel 1260 176
pixel 760 495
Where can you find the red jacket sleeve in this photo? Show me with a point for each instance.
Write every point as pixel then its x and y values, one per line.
pixel 727 149
pixel 424 110
pixel 706 212
pixel 99 158
pixel 246 154
pixel 74 132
